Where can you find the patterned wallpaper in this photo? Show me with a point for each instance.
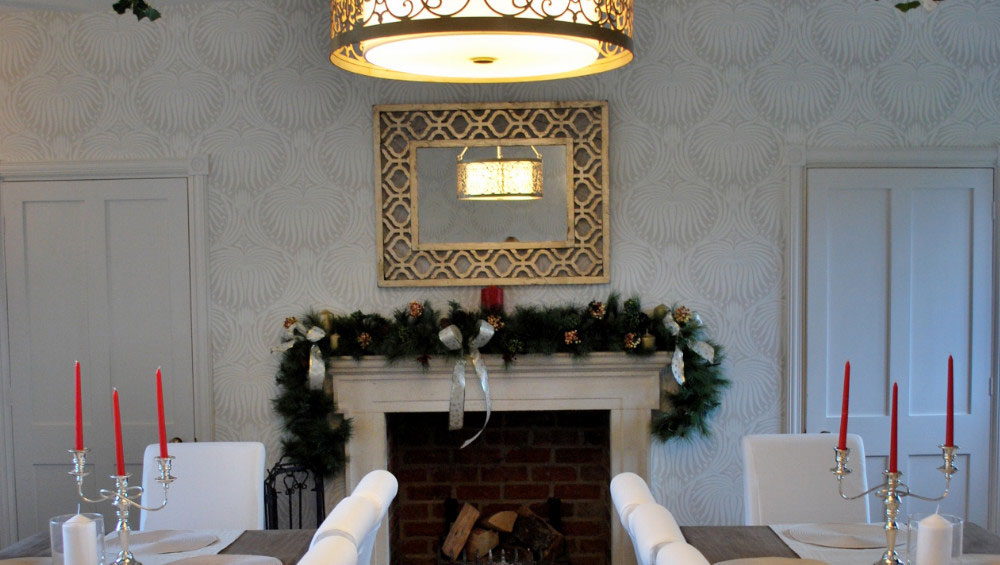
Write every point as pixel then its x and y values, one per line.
pixel 698 173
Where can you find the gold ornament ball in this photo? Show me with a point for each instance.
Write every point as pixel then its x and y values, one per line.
pixel 660 312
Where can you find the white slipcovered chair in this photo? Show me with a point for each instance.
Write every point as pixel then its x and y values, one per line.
pixel 651 527
pixel 220 485
pixel 787 480
pixel 331 550
pixel 358 517
pixel 680 553
pixel 629 490
pixel 380 487
pixel 352 518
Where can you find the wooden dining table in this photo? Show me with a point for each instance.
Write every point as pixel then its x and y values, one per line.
pixel 716 543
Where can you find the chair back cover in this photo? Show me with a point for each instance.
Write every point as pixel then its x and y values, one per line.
pixel 652 526
pixel 220 485
pixel 352 518
pixel 787 480
pixel 680 553
pixel 628 490
pixel 380 486
pixel 331 550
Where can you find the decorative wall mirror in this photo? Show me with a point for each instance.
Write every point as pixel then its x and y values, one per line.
pixel 477 194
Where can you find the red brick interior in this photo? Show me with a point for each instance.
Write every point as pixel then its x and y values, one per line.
pixel 521 458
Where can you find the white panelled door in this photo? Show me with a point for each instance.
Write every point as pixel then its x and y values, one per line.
pixel 899 274
pixel 96 270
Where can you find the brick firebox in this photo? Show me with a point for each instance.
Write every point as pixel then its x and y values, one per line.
pixel 523 458
pixel 626 386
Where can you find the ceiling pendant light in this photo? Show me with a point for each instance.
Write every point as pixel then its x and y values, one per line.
pixel 480 40
pixel 500 179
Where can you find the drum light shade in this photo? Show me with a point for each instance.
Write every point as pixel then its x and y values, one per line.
pixel 480 40
pixel 500 179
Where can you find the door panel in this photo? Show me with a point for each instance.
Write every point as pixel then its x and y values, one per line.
pixel 899 276
pixel 97 271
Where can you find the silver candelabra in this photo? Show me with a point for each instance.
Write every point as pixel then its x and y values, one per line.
pixel 122 497
pixel 891 491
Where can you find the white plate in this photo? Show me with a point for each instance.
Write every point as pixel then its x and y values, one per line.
pixel 161 541
pixel 771 561
pixel 227 559
pixel 843 536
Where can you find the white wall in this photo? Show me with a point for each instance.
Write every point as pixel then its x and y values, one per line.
pixel 698 193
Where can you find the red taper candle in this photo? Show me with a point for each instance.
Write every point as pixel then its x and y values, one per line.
pixel 79 410
pixel 842 443
pixel 119 450
pixel 949 422
pixel 159 413
pixel 892 430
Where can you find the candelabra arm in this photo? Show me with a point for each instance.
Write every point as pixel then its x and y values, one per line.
pixel 840 487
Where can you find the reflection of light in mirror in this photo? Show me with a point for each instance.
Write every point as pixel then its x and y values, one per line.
pixel 443 219
pixel 500 179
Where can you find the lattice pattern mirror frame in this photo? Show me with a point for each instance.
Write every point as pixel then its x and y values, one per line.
pixel 582 258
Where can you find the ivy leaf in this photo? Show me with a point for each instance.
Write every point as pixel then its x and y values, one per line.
pixel 907 6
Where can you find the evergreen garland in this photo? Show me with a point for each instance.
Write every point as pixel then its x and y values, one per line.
pixel 315 434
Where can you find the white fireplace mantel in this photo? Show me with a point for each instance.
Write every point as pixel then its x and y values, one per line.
pixel 626 385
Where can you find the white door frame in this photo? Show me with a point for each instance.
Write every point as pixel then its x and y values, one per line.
pixel 799 160
pixel 195 171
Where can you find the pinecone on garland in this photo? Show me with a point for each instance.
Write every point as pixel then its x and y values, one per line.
pixel 632 341
pixel 290 321
pixel 682 315
pixel 571 337
pixel 364 340
pixel 494 321
pixel 416 309
pixel 597 310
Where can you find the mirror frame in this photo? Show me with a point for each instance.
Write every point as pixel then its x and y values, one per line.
pixel 582 258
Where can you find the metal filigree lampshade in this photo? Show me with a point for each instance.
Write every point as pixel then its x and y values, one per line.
pixel 480 40
pixel 500 179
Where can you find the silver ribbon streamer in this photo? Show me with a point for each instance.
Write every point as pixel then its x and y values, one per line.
pixel 677 366
pixel 704 350
pixel 672 326
pixel 451 337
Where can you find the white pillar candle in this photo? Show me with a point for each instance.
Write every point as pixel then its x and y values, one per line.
pixel 79 535
pixel 934 541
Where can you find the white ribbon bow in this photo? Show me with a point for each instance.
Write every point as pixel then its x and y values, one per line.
pixel 317 367
pixel 451 337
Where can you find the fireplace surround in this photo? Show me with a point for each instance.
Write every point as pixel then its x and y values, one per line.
pixel 627 386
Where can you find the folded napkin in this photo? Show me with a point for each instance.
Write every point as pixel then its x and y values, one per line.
pixel 680 553
pixel 161 541
pixel 844 536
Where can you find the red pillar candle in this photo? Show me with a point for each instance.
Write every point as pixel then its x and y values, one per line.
pixel 79 410
pixel 892 430
pixel 159 413
pixel 842 443
pixel 491 297
pixel 949 423
pixel 119 450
